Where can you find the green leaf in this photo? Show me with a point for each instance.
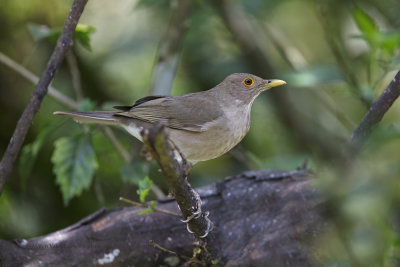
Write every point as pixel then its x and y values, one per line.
pixel 30 152
pixel 146 211
pixel 74 165
pixel 367 26
pixel 153 206
pixel 82 35
pixel 144 188
pixel 389 42
pixel 151 209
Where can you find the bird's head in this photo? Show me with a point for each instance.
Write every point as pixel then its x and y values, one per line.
pixel 246 87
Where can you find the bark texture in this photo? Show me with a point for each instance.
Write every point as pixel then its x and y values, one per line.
pixel 260 217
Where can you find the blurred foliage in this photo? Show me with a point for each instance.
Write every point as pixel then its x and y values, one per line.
pixel 42 32
pixel 337 56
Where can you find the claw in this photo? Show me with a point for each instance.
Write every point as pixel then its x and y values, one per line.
pixel 210 225
pixel 188 229
pixel 194 215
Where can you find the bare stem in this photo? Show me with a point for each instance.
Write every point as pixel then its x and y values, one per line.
pixel 137 204
pixel 25 73
pixel 75 74
pixel 194 260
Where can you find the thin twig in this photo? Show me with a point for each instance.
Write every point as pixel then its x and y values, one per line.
pixel 375 114
pixel 137 204
pixel 194 260
pixel 63 44
pixel 117 145
pixel 60 97
pixel 75 74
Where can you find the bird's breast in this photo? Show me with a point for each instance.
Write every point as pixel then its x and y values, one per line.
pixel 221 137
pixel 238 125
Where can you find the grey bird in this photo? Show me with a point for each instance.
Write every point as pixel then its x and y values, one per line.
pixel 203 125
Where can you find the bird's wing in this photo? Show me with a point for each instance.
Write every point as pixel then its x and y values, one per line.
pixel 192 112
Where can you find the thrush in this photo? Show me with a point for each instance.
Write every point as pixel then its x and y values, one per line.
pixel 202 125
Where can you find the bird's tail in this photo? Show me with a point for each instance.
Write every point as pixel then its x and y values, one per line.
pixel 100 117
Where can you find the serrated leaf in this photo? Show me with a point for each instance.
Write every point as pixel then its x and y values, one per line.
pixel 144 188
pixel 29 153
pixel 74 165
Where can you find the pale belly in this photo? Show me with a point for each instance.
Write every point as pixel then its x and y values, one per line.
pixel 209 144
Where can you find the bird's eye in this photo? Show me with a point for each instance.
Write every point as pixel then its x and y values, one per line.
pixel 248 82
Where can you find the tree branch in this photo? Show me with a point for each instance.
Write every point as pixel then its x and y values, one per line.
pixel 157 144
pixel 33 106
pixel 260 217
pixel 375 114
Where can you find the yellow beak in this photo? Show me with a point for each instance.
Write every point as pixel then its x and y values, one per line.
pixel 275 83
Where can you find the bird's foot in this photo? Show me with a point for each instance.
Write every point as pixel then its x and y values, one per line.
pixel 194 210
pixel 210 226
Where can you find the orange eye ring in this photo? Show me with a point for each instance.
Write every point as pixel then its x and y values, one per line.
pixel 248 81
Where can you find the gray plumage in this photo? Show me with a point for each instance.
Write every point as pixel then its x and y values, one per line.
pixel 202 125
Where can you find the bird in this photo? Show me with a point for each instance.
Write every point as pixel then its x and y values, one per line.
pixel 202 125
